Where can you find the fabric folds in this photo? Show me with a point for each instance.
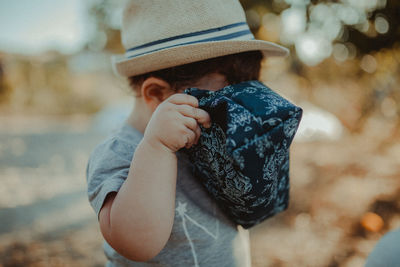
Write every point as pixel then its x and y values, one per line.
pixel 243 158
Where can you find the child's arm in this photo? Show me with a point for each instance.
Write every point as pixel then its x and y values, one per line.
pixel 137 221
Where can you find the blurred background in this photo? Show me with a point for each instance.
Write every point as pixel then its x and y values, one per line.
pixel 59 98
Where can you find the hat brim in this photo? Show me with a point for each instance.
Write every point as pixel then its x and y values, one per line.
pixel 185 54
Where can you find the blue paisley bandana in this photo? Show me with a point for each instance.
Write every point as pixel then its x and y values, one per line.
pixel 243 159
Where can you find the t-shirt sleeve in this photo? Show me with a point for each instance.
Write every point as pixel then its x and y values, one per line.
pixel 107 169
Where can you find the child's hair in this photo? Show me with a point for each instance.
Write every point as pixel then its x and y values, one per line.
pixel 236 68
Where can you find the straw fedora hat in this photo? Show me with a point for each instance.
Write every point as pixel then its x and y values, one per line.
pixel 160 34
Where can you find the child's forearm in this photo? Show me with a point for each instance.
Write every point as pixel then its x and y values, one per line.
pixel 141 216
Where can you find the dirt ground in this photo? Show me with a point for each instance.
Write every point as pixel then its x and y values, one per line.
pixel 344 197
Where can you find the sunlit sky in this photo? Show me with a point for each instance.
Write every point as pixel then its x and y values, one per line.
pixel 33 26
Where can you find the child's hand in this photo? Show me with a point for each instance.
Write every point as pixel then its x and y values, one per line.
pixel 175 123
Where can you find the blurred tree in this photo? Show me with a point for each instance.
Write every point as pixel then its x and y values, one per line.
pixel 106 15
pixel 365 25
pixel 366 43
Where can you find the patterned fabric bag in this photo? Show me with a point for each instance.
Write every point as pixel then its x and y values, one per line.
pixel 243 159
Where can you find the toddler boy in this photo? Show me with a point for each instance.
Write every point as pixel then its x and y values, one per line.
pixel 152 211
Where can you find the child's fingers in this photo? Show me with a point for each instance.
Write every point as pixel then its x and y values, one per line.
pixel 190 138
pixel 200 115
pixel 180 99
pixel 189 122
pixel 198 133
pixel 192 125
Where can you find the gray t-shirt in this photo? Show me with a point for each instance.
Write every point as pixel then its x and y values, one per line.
pixel 201 235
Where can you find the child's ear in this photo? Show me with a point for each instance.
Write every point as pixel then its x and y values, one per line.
pixel 154 91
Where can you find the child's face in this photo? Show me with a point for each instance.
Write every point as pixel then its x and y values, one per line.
pixel 163 90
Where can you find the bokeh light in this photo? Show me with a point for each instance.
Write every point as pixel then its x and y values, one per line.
pixel 294 23
pixel 381 24
pixel 368 63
